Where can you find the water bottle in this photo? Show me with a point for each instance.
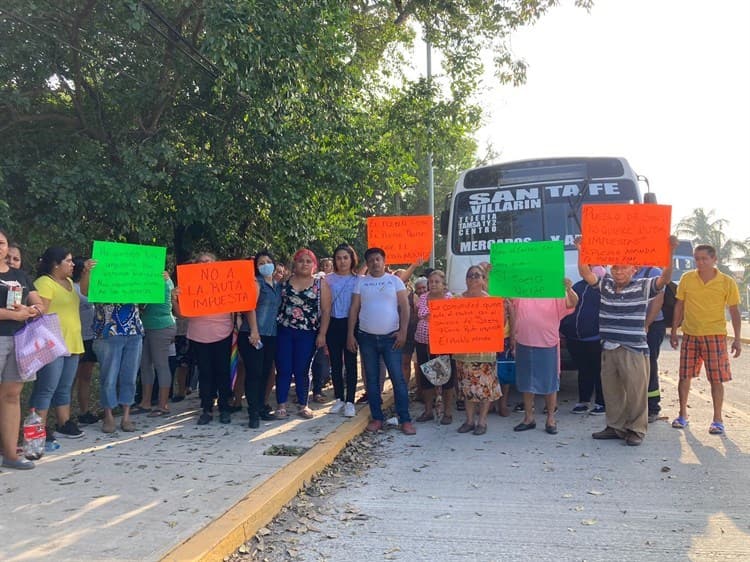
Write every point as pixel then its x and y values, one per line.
pixel 34 436
pixel 258 345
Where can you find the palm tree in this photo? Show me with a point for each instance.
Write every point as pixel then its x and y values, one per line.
pixel 703 228
pixel 744 262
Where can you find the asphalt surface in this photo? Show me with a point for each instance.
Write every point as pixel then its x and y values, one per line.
pixel 682 495
pixel 436 496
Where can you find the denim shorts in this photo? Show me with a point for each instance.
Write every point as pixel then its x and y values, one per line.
pixel 8 365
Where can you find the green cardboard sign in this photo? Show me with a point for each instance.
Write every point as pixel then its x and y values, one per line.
pixel 127 273
pixel 527 269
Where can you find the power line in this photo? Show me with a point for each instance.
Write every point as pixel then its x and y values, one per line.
pixel 47 33
pixel 179 35
pixel 177 46
pixel 98 60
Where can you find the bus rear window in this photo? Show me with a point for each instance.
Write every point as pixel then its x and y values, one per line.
pixel 560 169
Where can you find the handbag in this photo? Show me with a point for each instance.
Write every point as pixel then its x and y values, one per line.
pixel 437 370
pixel 506 368
pixel 39 343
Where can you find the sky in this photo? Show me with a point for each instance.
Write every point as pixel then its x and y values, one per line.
pixel 663 83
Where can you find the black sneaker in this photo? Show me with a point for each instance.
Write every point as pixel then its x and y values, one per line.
pixel 204 418
pixel 87 419
pixel 518 407
pixel 225 417
pixel 580 409
pixel 70 430
pixel 253 422
pixel 598 410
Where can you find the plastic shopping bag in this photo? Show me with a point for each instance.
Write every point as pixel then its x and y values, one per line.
pixel 39 343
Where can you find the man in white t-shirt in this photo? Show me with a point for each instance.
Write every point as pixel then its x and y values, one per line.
pixel 380 305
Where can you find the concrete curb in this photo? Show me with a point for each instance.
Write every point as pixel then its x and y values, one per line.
pixel 224 535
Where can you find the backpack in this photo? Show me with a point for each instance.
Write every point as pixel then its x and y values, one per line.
pixel 670 299
pixel 583 323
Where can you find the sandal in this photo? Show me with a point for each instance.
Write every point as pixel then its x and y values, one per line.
pixel 466 427
pixel 305 413
pixel 281 413
pixel 716 428
pixel 135 410
pixel 680 423
pixel 480 429
pixel 320 399
pixel 425 417
pixel 157 412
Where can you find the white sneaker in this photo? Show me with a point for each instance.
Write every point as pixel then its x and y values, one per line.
pixel 349 410
pixel 337 407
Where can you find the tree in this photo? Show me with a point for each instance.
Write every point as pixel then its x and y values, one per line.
pixel 233 125
pixel 702 227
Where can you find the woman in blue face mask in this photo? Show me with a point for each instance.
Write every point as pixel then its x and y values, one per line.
pixel 257 339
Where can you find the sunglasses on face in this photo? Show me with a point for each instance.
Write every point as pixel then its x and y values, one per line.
pixel 474 276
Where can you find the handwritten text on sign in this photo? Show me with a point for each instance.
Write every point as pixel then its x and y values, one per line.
pixel 466 325
pixel 127 273
pixel 216 287
pixel 404 239
pixel 528 270
pixel 626 234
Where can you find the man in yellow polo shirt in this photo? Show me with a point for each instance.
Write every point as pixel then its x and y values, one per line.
pixel 702 296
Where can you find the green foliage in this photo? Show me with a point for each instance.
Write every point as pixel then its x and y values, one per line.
pixel 703 228
pixel 233 125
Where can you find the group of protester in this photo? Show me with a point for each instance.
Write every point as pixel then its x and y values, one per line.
pixel 345 309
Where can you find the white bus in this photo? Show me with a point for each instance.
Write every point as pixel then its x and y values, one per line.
pixel 528 200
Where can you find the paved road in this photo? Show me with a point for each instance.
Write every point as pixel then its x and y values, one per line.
pixel 437 496
pixel 531 496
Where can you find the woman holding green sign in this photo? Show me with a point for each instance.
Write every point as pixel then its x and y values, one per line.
pixel 537 351
pixel 118 342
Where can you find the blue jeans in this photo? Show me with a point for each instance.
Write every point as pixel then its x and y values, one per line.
pixel 53 383
pixel 654 337
pixel 119 358
pixel 294 353
pixel 373 347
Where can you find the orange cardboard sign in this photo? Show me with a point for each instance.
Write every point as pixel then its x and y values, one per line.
pixel 216 287
pixel 466 325
pixel 405 239
pixel 626 234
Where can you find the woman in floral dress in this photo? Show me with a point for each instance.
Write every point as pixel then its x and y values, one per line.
pixel 477 372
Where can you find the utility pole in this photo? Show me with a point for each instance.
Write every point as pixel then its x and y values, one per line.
pixel 430 175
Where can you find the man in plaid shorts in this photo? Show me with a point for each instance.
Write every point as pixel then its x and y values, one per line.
pixel 702 296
